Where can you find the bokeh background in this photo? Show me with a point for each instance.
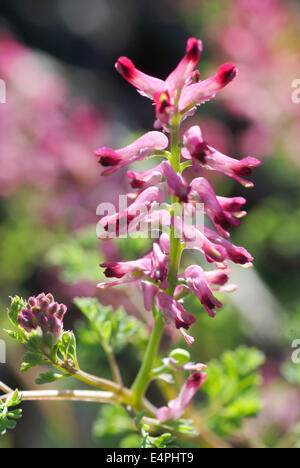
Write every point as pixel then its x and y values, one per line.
pixel 64 99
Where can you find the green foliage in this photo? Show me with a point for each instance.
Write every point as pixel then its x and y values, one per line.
pixel 165 440
pixel 114 426
pixel 113 329
pixel 9 416
pixel 49 377
pixel 297 434
pixel 17 303
pixel 76 257
pixel 31 360
pixel 233 389
pixel 67 346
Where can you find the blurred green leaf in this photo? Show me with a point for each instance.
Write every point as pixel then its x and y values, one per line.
pixel 78 257
pixel 233 389
pixel 9 416
pixel 49 377
pixel 31 360
pixel 114 328
pixel 17 303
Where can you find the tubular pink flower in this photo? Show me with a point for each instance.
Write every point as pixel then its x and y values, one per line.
pixel 199 93
pixel 176 407
pixel 198 284
pixel 198 150
pixel 121 269
pixel 175 182
pixel 233 206
pixel 220 276
pixel 143 147
pixel 119 223
pixel 195 239
pixel 174 311
pixel 186 66
pixel 236 254
pixel 143 180
pixel 149 293
pixel 124 280
pixel 145 84
pixel 44 313
pixel 160 264
pixel 189 366
pixel 164 108
pixel 164 242
pixel 223 220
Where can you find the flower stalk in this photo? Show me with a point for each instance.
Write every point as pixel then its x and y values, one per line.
pixel 144 376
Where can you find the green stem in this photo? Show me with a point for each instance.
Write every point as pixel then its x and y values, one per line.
pixel 114 366
pixel 144 376
pixel 5 388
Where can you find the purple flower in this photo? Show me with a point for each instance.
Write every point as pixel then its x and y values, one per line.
pixel 118 224
pixel 175 312
pixel 204 193
pixel 198 150
pixel 203 91
pixel 195 239
pixel 175 182
pixel 182 89
pixel 236 254
pixel 143 147
pixel 198 284
pixel 143 180
pixel 160 264
pixel 176 407
pixel 44 313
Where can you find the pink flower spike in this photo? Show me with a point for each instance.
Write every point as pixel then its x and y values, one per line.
pixel 174 311
pixel 176 407
pixel 143 147
pixel 175 182
pixel 146 179
pixel 186 66
pixel 145 84
pixel 199 93
pixel 198 284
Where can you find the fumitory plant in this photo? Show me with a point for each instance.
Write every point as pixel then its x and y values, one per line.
pixel 162 277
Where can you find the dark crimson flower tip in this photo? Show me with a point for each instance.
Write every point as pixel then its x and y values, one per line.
pixel 125 66
pixel 107 157
pixel 112 270
pixel 137 184
pixel 196 377
pixel 193 49
pixel 226 73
